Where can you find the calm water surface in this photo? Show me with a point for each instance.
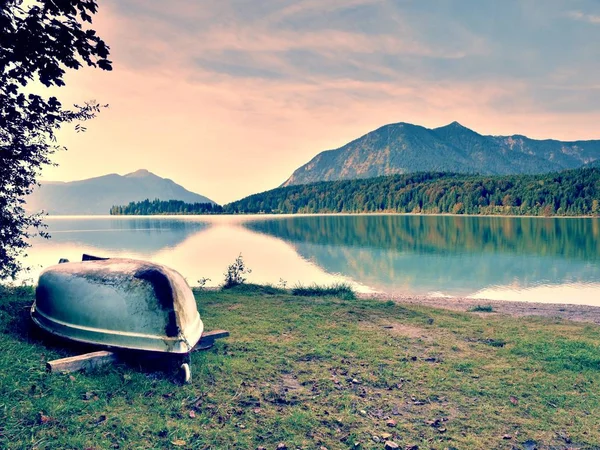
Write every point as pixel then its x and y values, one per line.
pixel 527 259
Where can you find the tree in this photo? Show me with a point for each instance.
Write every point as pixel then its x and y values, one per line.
pixel 37 43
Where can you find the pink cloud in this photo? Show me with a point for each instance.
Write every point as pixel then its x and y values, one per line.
pixel 227 137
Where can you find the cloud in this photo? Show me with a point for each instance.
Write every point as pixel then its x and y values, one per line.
pixel 228 97
pixel 582 17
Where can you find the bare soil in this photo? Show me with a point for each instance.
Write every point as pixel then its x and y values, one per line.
pixel 579 313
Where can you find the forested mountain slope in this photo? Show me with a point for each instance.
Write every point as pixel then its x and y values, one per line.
pixel 405 148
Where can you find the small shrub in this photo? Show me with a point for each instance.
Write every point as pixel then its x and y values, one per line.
pixel 202 282
pixel 341 290
pixel 282 284
pixel 482 308
pixel 235 273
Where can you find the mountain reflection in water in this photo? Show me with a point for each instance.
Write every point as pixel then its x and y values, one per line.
pixel 533 259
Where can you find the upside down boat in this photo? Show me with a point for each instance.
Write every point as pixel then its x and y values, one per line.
pixel 118 303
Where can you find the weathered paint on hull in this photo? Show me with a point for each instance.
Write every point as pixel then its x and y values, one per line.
pixel 121 303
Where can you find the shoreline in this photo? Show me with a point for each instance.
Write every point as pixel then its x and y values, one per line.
pixel 378 213
pixel 577 313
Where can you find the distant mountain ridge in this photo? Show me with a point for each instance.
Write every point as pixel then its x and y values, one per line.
pixel 405 148
pixel 97 195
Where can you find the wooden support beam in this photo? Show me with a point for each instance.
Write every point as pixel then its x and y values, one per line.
pixel 215 334
pixel 102 358
pixel 79 362
pixel 208 339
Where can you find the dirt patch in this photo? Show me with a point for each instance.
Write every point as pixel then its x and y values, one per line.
pixel 289 383
pixel 406 330
pixel 234 306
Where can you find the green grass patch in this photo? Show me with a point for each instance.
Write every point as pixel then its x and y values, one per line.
pixel 341 290
pixel 255 289
pixel 314 371
pixel 482 308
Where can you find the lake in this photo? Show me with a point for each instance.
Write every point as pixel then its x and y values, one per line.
pixel 553 260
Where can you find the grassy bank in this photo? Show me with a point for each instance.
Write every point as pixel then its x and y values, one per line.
pixel 316 372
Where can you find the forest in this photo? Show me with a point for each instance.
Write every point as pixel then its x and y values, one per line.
pixel 155 207
pixel 571 192
pixel 568 193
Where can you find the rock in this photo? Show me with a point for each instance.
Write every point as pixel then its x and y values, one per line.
pixel 260 448
pixel 507 436
pixel 355 381
pixel 411 447
pixel 363 412
pixel 391 445
pixel 391 423
pixel 375 438
pixel 282 446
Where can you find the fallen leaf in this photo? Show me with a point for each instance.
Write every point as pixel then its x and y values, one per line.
pixel 178 442
pixel 514 400
pixel 192 414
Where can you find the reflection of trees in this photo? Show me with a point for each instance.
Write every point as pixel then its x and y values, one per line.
pixel 457 255
pixel 456 274
pixel 140 235
pixel 572 238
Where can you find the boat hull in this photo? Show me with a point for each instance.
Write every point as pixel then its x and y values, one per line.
pixel 121 303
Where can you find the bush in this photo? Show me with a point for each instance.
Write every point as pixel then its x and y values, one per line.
pixel 235 273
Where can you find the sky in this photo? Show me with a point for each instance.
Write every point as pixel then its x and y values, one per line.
pixel 229 97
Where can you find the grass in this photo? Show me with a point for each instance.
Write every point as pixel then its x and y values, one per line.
pixel 312 372
pixel 341 290
pixel 482 308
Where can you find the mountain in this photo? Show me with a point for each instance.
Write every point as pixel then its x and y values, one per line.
pixel 97 195
pixel 404 148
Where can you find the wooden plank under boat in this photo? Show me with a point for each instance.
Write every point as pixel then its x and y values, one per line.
pixel 120 303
